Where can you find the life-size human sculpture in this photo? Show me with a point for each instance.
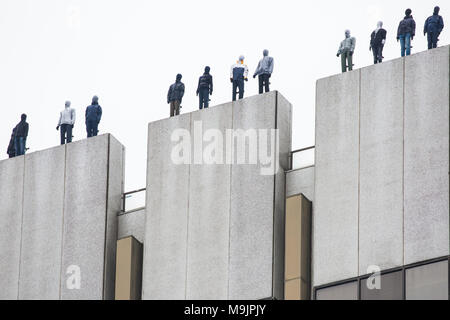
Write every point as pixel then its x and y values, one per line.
pixel 20 136
pixel 205 88
pixel 93 116
pixel 433 28
pixel 406 32
pixel 264 71
pixel 377 41
pixel 175 96
pixel 346 50
pixel 66 123
pixel 238 74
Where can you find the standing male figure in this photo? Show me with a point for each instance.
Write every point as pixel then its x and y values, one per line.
pixel 264 71
pixel 175 96
pixel 377 41
pixel 93 117
pixel 205 88
pixel 433 27
pixel 346 50
pixel 406 32
pixel 20 137
pixel 238 74
pixel 66 123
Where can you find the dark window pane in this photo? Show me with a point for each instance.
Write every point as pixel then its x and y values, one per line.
pixel 347 291
pixel 428 282
pixel 391 288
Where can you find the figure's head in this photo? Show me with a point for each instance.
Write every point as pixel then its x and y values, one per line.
pixel 408 12
pixel 23 117
pixel 436 10
pixel 67 104
pixel 94 100
pixel 207 69
pixel 347 33
pixel 380 24
pixel 241 58
pixel 265 52
pixel 179 76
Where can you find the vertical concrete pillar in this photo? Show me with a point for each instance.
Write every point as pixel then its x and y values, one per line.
pixel 297 273
pixel 129 269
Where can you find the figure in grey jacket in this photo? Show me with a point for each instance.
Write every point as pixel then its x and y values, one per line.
pixel 175 96
pixel 66 123
pixel 264 71
pixel 346 50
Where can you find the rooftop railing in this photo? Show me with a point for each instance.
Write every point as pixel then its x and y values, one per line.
pixel 302 158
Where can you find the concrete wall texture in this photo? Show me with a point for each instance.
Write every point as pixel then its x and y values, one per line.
pixel 132 224
pixel 216 231
pixel 300 181
pixel 59 209
pixel 382 166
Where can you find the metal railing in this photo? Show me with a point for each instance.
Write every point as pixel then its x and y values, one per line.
pixel 133 200
pixel 302 158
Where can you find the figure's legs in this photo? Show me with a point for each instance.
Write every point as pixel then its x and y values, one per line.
pixel 408 44
pixel 16 146
pixel 402 45
pixel 430 40
pixel 200 99
pixel 235 85
pixel 94 129
pixel 375 54
pixel 344 61
pixel 62 130
pixel 434 39
pixel 69 133
pixel 241 89
pixel 380 53
pixel 88 129
pixel 20 146
pixel 172 109
pixel 206 98
pixel 266 82
pixel 260 83
pixel 350 61
pixel 177 107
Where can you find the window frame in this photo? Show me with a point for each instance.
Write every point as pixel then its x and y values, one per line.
pixel 403 269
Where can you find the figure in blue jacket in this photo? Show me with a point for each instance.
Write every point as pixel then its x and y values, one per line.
pixel 238 74
pixel 205 88
pixel 93 117
pixel 433 27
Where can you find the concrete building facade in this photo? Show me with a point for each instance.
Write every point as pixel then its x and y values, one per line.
pixel 382 170
pixel 58 216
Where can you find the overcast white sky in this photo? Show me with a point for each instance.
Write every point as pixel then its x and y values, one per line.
pixel 128 52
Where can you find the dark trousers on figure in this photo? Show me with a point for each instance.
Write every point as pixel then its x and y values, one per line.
pixel 174 108
pixel 66 129
pixel 92 128
pixel 203 96
pixel 377 54
pixel 19 145
pixel 432 40
pixel 238 84
pixel 264 82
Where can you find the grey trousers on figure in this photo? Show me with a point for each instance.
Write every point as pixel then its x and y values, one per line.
pixel 346 61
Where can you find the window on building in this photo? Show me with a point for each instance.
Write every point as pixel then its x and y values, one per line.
pixel 427 282
pixel 390 287
pixel 346 291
